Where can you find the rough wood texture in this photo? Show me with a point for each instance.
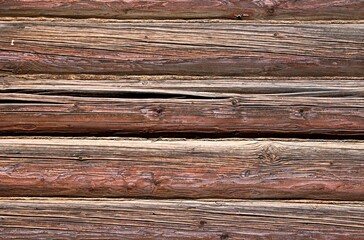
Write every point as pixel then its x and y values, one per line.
pixel 179 219
pixel 172 105
pixel 236 168
pixel 182 48
pixel 173 9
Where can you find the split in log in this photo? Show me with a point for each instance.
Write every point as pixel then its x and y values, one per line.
pixel 179 219
pixel 172 168
pixel 181 106
pixel 182 48
pixel 187 9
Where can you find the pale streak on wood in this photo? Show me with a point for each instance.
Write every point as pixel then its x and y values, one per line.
pixel 45 218
pixel 182 48
pixel 175 168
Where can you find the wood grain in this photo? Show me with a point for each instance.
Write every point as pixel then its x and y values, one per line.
pixel 182 48
pixel 187 9
pixel 181 106
pixel 175 168
pixel 179 219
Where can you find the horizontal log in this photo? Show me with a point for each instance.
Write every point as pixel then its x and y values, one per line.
pixel 182 48
pixel 181 106
pixel 186 9
pixel 179 219
pixel 132 86
pixel 172 168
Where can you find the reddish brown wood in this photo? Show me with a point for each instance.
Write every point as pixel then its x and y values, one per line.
pixel 174 9
pixel 182 48
pixel 179 219
pixel 142 105
pixel 172 168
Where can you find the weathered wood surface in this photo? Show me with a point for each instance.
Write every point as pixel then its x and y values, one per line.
pixel 172 168
pixel 182 48
pixel 187 9
pixel 185 86
pixel 35 218
pixel 178 106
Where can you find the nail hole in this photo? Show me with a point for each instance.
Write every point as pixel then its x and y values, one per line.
pixel 202 223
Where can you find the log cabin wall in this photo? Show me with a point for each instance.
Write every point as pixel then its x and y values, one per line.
pixel 182 119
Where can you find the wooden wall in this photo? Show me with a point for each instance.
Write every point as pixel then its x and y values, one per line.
pixel 182 119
